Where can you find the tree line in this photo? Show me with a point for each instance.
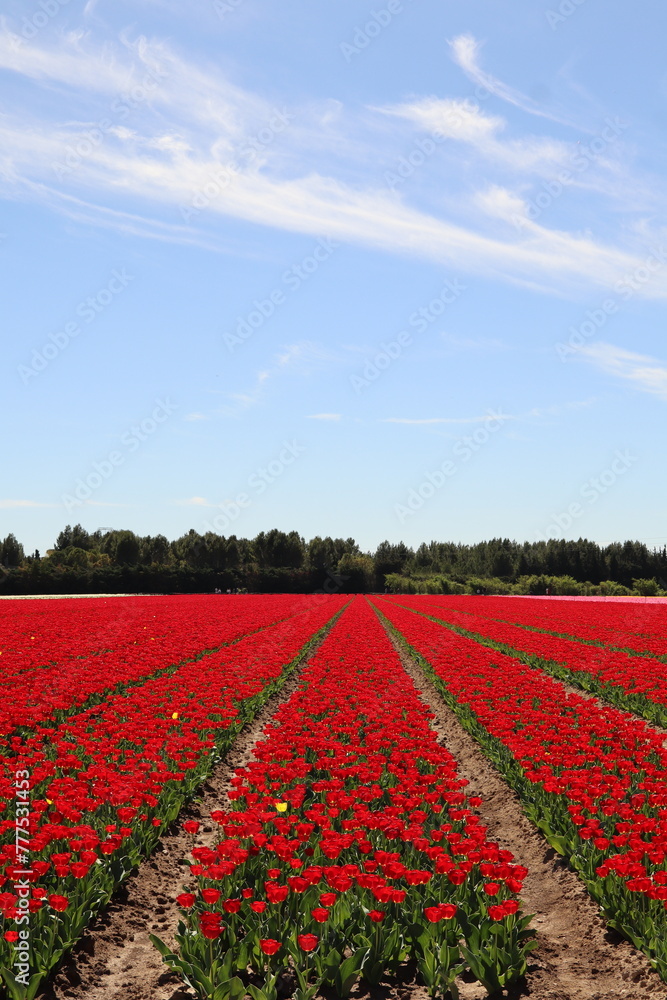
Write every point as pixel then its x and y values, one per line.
pixel 121 561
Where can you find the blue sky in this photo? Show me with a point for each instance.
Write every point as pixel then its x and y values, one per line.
pixel 390 271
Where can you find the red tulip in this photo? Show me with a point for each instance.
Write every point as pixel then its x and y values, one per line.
pixel 59 903
pixel 307 942
pixel 210 895
pixel 211 931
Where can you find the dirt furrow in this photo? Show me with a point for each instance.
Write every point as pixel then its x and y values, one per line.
pixel 115 960
pixel 570 687
pixel 578 958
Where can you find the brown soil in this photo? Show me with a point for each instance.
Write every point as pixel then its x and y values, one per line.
pixel 578 958
pixel 114 959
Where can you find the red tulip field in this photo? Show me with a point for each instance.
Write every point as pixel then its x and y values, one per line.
pixel 311 796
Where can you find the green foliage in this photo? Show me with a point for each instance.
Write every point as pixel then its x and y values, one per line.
pixel 484 585
pixel 610 588
pixel 11 552
pixel 562 586
pixel 119 560
pixel 356 574
pixel 648 588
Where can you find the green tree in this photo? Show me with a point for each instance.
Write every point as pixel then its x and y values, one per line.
pixel 191 549
pixel 64 539
pixel 390 558
pixel 356 574
pixel 155 550
pixel 123 547
pixel 11 552
pixel 277 550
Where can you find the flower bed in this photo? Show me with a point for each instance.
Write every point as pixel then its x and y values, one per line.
pixel 157 638
pixel 592 778
pixel 350 846
pixel 90 796
pixel 634 682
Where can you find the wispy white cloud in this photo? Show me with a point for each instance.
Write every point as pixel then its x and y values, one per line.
pixel 525 162
pixel 443 420
pixel 154 158
pixel 324 416
pixel 195 416
pixel 463 122
pixel 12 504
pixel 104 503
pixel 304 358
pixel 529 416
pixel 644 372
pixel 465 51
pixel 449 118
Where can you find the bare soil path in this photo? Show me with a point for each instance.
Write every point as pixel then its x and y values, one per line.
pixel 115 960
pixel 578 957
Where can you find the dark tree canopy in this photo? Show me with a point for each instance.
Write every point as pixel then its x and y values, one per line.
pixel 275 560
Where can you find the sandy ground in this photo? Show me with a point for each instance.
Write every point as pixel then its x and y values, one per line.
pixel 578 958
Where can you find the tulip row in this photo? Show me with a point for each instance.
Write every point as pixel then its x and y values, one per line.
pixel 592 778
pixel 93 793
pixel 178 630
pixel 633 682
pixel 638 627
pixel 349 846
pixel 38 632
